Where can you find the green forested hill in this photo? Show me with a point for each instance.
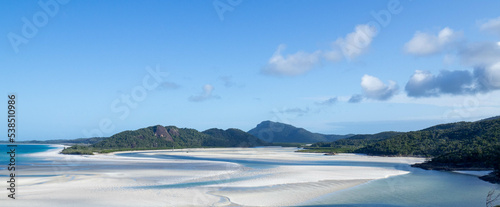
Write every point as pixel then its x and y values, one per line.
pixel 464 138
pixel 352 143
pixel 285 133
pixel 462 145
pixel 159 137
pixel 231 138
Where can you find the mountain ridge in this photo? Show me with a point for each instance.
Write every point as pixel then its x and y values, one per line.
pixel 276 132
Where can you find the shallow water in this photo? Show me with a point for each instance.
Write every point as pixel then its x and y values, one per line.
pixel 417 188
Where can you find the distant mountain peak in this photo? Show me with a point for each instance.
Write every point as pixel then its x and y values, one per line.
pixel 270 131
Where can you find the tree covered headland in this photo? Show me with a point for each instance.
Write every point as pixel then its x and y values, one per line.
pixel 160 137
pixel 454 146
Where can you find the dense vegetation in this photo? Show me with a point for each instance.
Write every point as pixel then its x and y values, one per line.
pixel 455 146
pixel 159 137
pixel 349 145
pixel 278 132
pixel 79 150
pixel 458 142
pixel 231 138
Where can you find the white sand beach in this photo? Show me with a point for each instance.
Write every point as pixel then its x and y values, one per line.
pixel 117 180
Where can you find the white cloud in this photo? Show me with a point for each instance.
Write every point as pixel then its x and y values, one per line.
pixel 480 54
pixel 205 94
pixel 488 78
pixel 426 44
pixel 353 45
pixel 458 82
pixel 491 25
pixel 356 43
pixel 291 65
pixel 424 84
pixel 333 55
pixel 374 88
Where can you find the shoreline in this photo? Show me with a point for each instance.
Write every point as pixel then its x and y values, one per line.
pixel 114 180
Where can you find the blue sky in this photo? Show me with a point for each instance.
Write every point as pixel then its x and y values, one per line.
pixel 95 68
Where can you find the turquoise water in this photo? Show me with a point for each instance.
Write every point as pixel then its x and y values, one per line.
pixel 21 152
pixel 23 149
pixel 197 184
pixel 417 188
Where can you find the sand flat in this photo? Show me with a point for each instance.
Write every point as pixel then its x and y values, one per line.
pixel 116 180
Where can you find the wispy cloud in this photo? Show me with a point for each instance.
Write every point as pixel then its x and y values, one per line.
pixel 296 111
pixel 427 44
pixel 229 82
pixel 356 43
pixel 329 101
pixel 291 65
pixel 480 54
pixel 490 25
pixel 349 47
pixel 356 98
pixel 170 85
pixel 206 94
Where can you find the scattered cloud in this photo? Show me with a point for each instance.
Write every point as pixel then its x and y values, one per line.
pixel 329 101
pixel 333 55
pixel 356 98
pixel 349 47
pixel 291 65
pixel 423 44
pixel 480 54
pixel 170 85
pixel 483 57
pixel 356 43
pixel 374 88
pixel 228 82
pixel 488 78
pixel 297 111
pixel 425 84
pixel 491 26
pixel 458 82
pixel 206 94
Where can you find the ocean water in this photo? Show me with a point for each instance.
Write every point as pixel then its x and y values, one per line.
pixel 417 188
pixel 22 150
pixel 422 188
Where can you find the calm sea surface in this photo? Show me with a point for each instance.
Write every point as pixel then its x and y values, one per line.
pixel 418 188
